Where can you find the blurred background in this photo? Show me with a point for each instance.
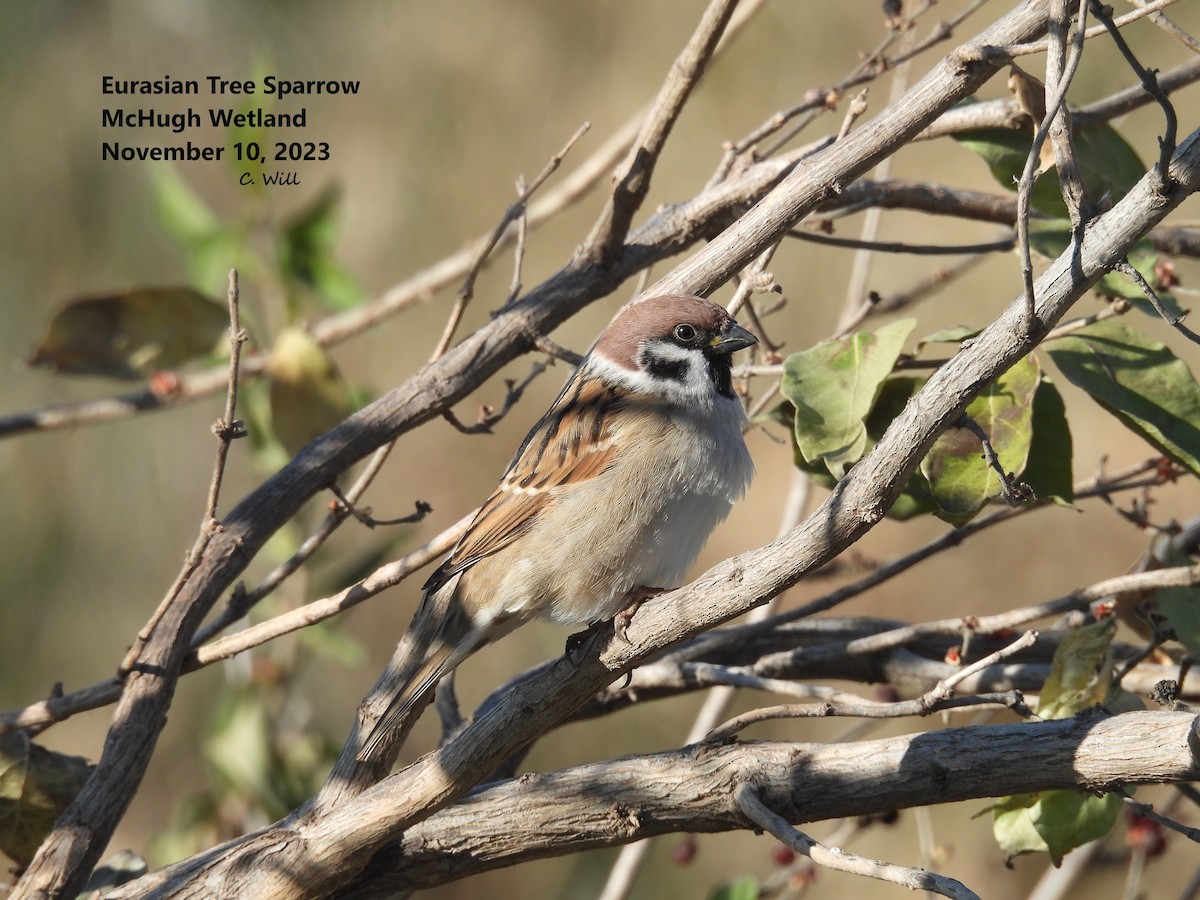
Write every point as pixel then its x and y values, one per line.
pixel 457 99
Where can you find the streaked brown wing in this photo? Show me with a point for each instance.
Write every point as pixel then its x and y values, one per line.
pixel 572 443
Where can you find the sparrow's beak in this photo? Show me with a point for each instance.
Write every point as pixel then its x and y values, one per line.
pixel 736 338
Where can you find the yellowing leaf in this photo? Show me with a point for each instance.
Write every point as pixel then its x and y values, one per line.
pixel 1053 822
pixel 132 334
pixel 959 477
pixel 308 395
pixel 36 785
pixel 1081 674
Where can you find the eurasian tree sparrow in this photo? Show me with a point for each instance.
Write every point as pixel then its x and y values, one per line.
pixel 611 495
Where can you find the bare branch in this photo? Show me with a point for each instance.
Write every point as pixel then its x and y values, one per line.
pixel 227 428
pixel 618 801
pixel 1002 245
pixel 516 211
pixel 839 860
pixel 1125 268
pixel 631 182
pixel 1166 143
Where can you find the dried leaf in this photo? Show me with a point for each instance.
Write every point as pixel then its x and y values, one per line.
pixel 132 334
pixel 36 785
pixel 1031 97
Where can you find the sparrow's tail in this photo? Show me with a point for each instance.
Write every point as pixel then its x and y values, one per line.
pixel 416 689
pixel 440 637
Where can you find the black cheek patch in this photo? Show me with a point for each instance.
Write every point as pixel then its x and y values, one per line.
pixel 666 369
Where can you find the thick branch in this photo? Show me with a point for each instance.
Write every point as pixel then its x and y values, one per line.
pixel 610 803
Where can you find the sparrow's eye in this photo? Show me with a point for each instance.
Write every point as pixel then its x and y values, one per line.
pixel 685 333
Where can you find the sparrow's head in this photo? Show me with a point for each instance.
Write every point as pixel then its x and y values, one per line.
pixel 677 347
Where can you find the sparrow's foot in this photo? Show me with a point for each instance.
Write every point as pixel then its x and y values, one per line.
pixel 637 595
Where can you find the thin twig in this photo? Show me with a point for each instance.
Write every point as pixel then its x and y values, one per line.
pixel 227 428
pixel 1125 268
pixel 1147 811
pixel 860 267
pixel 515 212
pixel 1002 245
pixel 748 281
pixel 1015 492
pixel 857 107
pixel 1058 70
pixel 873 64
pixel 631 182
pixel 489 418
pixel 835 703
pixel 1170 28
pixel 1149 80
pixel 855 708
pixel 840 861
pixel 1181 576
pixel 242 601
pixel 1031 47
pixel 364 517
pixel 1029 175
pixel 514 286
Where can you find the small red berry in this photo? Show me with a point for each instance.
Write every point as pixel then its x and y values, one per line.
pixel 685 851
pixel 783 855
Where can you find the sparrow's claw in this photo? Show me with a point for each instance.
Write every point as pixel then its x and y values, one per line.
pixel 637 595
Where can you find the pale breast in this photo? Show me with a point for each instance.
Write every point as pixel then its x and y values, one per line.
pixel 641 522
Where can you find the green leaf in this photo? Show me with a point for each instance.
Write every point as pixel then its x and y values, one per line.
pixel 745 887
pixel 956 334
pixel 1053 822
pixel 239 747
pixel 308 395
pixel 209 247
pixel 959 477
pixel 1108 164
pixel 36 785
pixel 1048 470
pixel 1139 381
pixel 1049 238
pixel 186 218
pixel 1005 151
pixel 833 387
pixel 1179 605
pixel 306 253
pixel 132 334
pixel 1081 674
pixel 916 499
pixel 332 642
